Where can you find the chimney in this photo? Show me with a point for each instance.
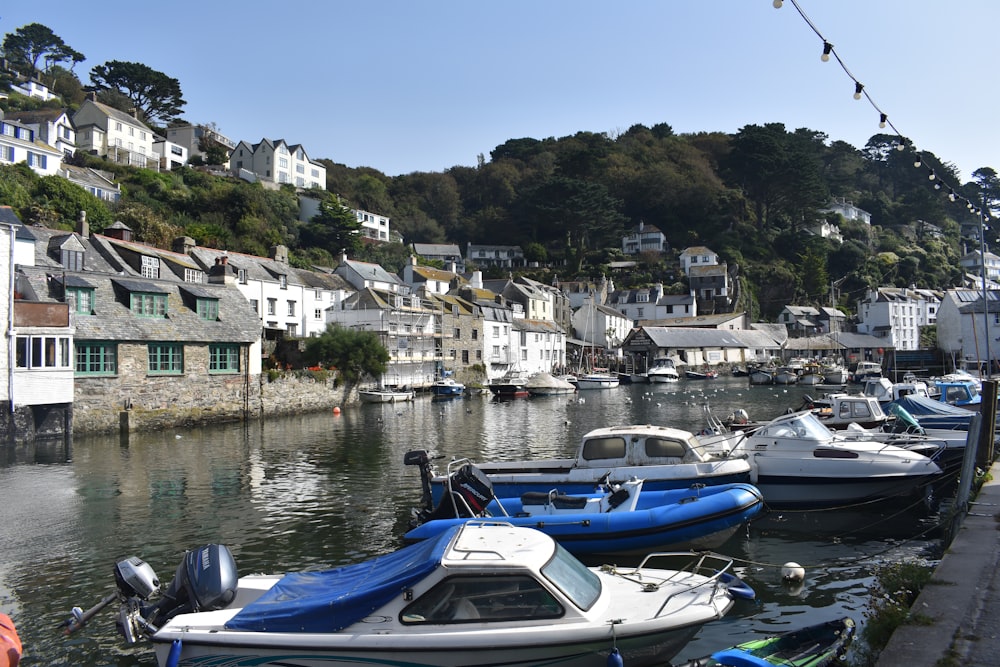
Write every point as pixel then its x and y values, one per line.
pixel 477 280
pixel 279 253
pixel 183 244
pixel 220 273
pixel 452 267
pixel 82 228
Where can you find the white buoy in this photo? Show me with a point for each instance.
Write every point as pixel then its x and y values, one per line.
pixel 792 571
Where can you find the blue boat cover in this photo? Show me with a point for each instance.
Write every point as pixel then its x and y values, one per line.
pixel 922 405
pixel 330 600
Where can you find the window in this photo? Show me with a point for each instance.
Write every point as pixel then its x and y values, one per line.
pixel 283 281
pixel 272 306
pixel 166 359
pixel 82 298
pixel 193 276
pixel 465 356
pixel 479 355
pixel 96 358
pixel 502 598
pixel 42 352
pixel 292 329
pixel 150 267
pixel 457 333
pixel 7 153
pixel 291 308
pixel 496 332
pixel 318 314
pixel 36 160
pixel 255 305
pixel 208 309
pixel 241 275
pixel 223 358
pixel 148 305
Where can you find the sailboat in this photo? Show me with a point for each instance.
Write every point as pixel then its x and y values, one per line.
pixel 590 377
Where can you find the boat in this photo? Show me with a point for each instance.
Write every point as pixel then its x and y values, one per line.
pixel 819 645
pixel 797 462
pixel 700 375
pixel 664 457
pixel 960 392
pixel 838 410
pixel 834 373
pixel 865 370
pixel 511 384
pixel 447 387
pixel 620 519
pixel 385 395
pixel 786 375
pixel 663 370
pixel 477 595
pixel 596 380
pixel 546 384
pixel 886 391
pixel 762 376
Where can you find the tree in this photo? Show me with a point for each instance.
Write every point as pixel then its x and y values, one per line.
pixel 34 42
pixel 334 228
pixel 354 354
pixel 154 94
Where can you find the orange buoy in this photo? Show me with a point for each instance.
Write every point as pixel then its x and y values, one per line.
pixel 336 411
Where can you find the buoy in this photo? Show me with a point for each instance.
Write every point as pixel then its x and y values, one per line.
pixel 336 411
pixel 10 643
pixel 615 658
pixel 174 657
pixel 793 572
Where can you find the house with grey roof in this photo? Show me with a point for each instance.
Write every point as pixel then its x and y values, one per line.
pixel 274 162
pixel 447 253
pixel 968 326
pixel 120 137
pixel 644 238
pixel 697 347
pixel 651 303
pixel 499 256
pixel 53 126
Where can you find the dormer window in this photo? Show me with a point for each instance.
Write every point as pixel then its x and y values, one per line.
pixel 194 276
pixel 147 304
pixel 208 309
pixel 642 297
pixel 241 276
pixel 82 299
pixel 283 281
pixel 72 260
pixel 150 267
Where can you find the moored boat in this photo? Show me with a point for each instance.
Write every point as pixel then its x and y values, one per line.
pixel 619 519
pixel 596 381
pixel 663 370
pixel 447 387
pixel 476 595
pixel 385 395
pixel 545 384
pixel 819 645
pixel 512 384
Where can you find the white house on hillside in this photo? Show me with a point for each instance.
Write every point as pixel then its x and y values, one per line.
pixel 603 326
pixel 108 132
pixel 277 163
pixel 53 126
pixel 192 136
pixel 19 144
pixel 847 210
pixel 973 263
pixel 967 326
pixel 697 256
pixel 644 238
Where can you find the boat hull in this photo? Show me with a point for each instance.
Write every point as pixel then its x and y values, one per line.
pixel 385 396
pixel 585 382
pixel 662 520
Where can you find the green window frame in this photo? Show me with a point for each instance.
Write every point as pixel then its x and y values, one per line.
pixel 223 358
pixel 146 304
pixel 166 359
pixel 96 358
pixel 83 299
pixel 208 309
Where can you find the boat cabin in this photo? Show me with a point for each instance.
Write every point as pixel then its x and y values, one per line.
pixel 839 410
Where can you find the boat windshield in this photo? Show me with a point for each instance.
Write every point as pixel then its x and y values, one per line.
pixel 573 578
pixel 803 426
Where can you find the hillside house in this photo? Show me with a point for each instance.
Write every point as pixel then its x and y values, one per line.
pixel 644 238
pixel 19 143
pixel 113 134
pixel 276 163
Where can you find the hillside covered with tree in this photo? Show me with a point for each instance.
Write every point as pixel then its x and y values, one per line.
pixel 750 196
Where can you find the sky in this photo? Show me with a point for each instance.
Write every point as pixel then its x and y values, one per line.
pixel 405 86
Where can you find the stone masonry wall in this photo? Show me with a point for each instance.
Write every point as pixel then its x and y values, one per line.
pixel 134 400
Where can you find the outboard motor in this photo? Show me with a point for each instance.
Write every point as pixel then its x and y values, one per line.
pixel 205 580
pixel 468 491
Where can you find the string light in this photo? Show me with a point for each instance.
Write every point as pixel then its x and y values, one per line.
pixel 859 90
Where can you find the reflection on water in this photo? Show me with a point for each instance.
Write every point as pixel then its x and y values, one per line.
pixel 323 489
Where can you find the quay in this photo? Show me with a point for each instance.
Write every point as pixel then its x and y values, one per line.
pixel 960 607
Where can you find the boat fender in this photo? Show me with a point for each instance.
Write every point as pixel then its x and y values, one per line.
pixel 174 657
pixel 615 658
pixel 10 643
pixel 793 572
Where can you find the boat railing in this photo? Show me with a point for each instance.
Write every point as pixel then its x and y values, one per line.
pixel 710 565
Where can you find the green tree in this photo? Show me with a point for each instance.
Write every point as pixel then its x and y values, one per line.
pixel 154 94
pixel 355 354
pixel 335 228
pixel 35 42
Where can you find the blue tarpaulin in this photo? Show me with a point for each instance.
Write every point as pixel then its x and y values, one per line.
pixel 331 600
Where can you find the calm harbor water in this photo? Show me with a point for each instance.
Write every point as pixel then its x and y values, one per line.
pixel 324 489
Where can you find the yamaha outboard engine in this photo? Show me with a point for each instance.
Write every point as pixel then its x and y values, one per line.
pixel 205 580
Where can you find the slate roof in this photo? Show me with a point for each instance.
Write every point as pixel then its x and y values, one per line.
pixel 113 320
pixel 693 338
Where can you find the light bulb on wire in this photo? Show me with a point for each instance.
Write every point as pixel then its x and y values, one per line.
pixel 777 4
pixel 882 119
pixel 827 47
pixel 917 162
pixel 930 175
pixel 858 87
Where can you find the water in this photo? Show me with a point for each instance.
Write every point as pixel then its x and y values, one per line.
pixel 325 489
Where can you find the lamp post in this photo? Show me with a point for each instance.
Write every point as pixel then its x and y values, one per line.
pixel 986 300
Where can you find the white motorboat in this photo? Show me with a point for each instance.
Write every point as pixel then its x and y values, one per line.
pixel 798 462
pixel 479 594
pixel 666 458
pixel 596 381
pixel 663 370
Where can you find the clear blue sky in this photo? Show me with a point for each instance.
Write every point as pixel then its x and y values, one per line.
pixel 403 85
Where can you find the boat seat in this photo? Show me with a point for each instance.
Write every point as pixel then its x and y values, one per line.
pixel 465 611
pixel 556 500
